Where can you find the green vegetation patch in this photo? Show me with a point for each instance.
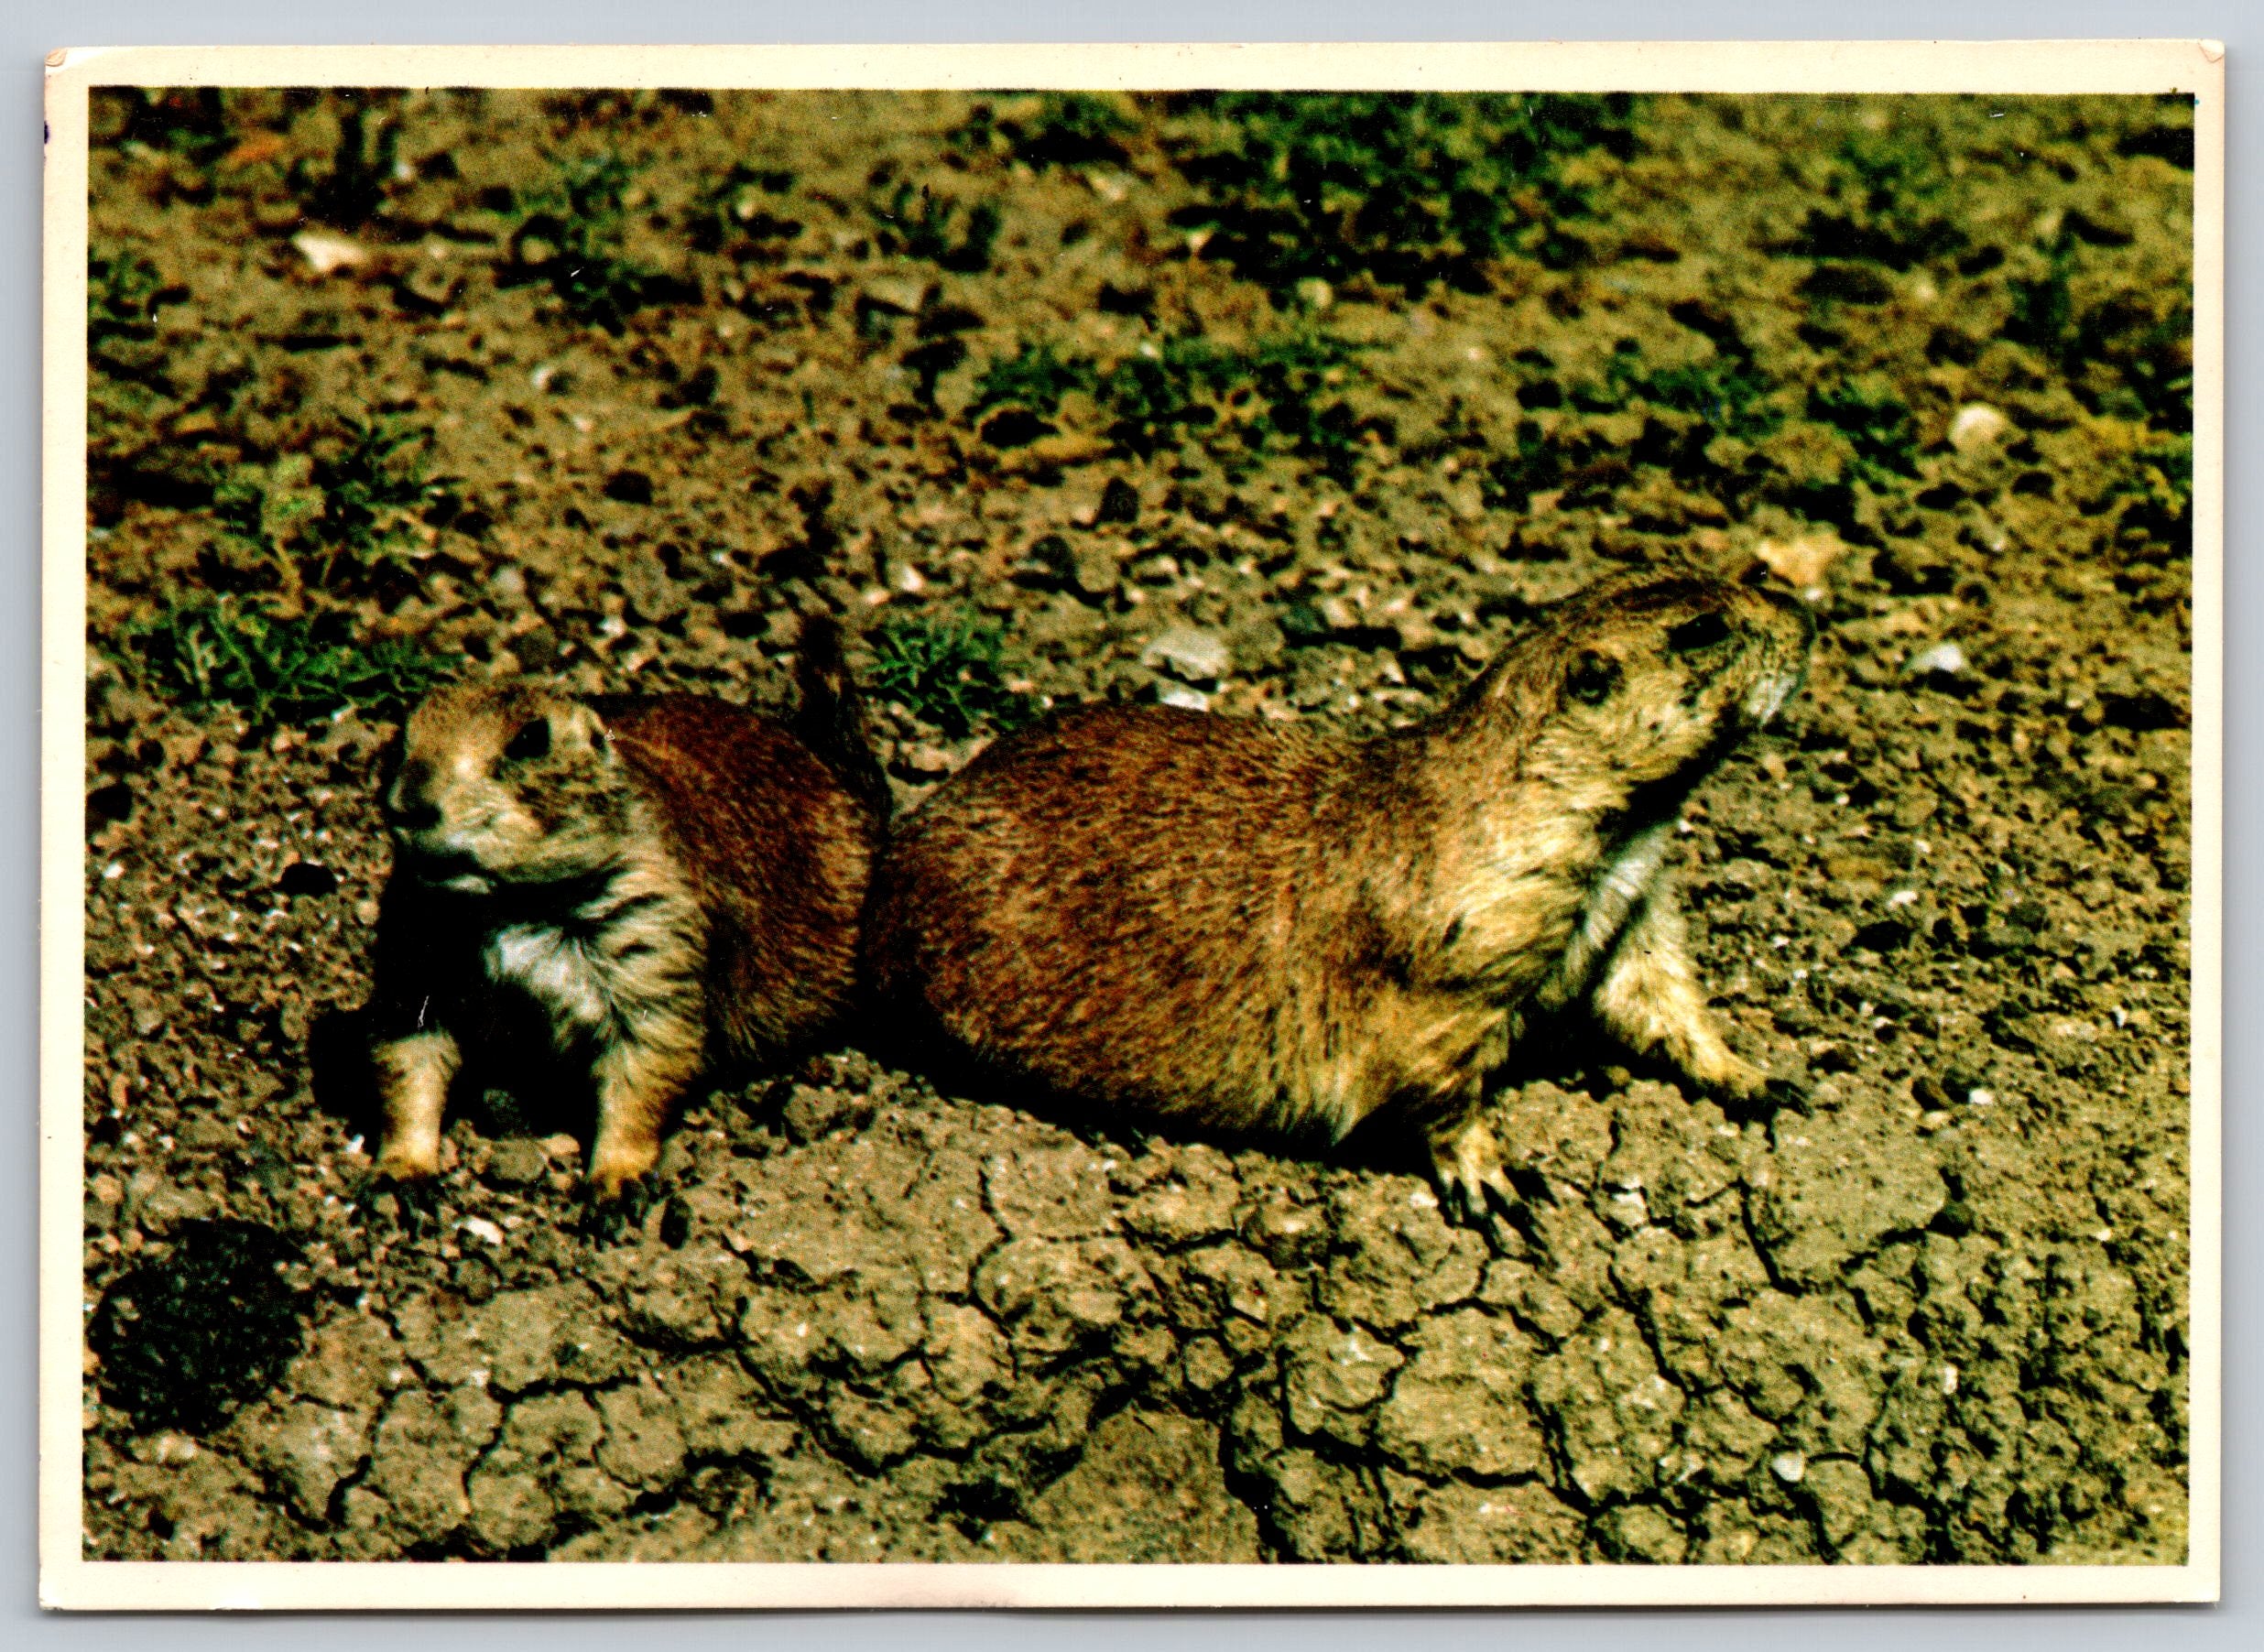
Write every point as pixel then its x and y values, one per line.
pixel 190 122
pixel 570 234
pixel 1047 129
pixel 123 290
pixel 334 521
pixel 2130 355
pixel 735 210
pixel 273 668
pixel 1405 189
pixel 2154 488
pixel 1887 187
pixel 1279 392
pixel 917 223
pixel 950 671
pixel 1727 390
pixel 1878 425
pixel 350 188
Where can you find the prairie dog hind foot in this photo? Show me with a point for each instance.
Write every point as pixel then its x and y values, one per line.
pixel 1473 1185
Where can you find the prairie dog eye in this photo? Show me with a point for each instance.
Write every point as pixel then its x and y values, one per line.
pixel 533 740
pixel 1592 679
pixel 1700 631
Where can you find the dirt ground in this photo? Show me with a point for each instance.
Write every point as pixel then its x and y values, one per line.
pixel 606 387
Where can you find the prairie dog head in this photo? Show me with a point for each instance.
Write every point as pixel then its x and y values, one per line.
pixel 1635 689
pixel 505 786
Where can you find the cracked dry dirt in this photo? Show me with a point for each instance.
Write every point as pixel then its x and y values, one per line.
pixel 1937 1315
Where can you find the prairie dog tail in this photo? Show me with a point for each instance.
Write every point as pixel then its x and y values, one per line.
pixel 829 717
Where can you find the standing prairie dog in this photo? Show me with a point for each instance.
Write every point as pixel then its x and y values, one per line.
pixel 1168 915
pixel 616 893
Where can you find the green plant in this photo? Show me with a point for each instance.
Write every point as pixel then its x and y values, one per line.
pixel 1281 387
pixel 1534 465
pixel 731 208
pixel 1878 425
pixel 1035 377
pixel 349 192
pixel 129 378
pixel 323 522
pixel 264 508
pixel 919 223
pixel 274 668
pixel 1059 129
pixel 2157 478
pixel 1727 390
pixel 1406 189
pixel 1163 389
pixel 1884 181
pixel 948 671
pixel 2043 309
pixel 121 293
pixel 2156 362
pixel 570 234
pixel 2130 355
pixel 187 121
pixel 370 485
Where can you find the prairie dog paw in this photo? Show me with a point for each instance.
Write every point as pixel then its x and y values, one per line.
pixel 1475 1190
pixel 406 1162
pixel 413 1206
pixel 1719 1070
pixel 617 1217
pixel 617 1168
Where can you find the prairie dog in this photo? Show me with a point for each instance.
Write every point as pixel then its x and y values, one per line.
pixel 616 893
pixel 1165 915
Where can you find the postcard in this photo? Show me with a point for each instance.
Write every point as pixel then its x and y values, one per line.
pixel 1148 825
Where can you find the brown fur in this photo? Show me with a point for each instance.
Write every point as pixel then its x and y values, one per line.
pixel 616 892
pixel 1171 915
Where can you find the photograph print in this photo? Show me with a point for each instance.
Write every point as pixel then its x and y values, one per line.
pixel 1042 825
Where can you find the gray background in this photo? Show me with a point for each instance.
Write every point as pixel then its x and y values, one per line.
pixel 29 28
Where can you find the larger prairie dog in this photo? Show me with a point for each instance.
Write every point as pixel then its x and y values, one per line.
pixel 616 895
pixel 1166 915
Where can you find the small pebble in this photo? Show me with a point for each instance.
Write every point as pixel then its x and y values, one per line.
pixel 1802 560
pixel 1945 659
pixel 517 1162
pixel 1190 654
pixel 1976 426
pixel 326 254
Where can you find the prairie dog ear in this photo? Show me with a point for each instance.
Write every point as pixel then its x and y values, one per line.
pixel 588 729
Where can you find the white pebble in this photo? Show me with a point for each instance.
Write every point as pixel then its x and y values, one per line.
pixel 325 254
pixel 1947 659
pixel 1976 426
pixel 1188 654
pixel 1790 1467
